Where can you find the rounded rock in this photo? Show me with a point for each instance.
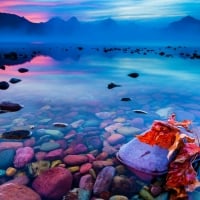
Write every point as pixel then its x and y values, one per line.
pixel 11 191
pixel 53 183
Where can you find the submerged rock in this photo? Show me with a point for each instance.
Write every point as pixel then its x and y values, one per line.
pixel 104 180
pixel 53 183
pixel 18 134
pixel 12 191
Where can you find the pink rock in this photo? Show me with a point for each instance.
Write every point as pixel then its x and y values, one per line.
pixel 40 155
pixel 53 183
pixel 29 142
pixel 63 143
pixel 23 156
pixel 99 164
pixel 54 155
pixel 12 191
pixel 10 145
pixel 115 139
pixel 85 168
pixel 76 149
pixel 21 180
pixel 75 159
pixel 86 182
pixel 90 157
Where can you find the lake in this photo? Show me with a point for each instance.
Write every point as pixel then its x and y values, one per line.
pixel 68 84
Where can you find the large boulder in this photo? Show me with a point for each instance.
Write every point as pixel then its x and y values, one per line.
pixel 53 183
pixel 12 191
pixel 148 154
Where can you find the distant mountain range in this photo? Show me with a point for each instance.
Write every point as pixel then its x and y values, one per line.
pixel 14 27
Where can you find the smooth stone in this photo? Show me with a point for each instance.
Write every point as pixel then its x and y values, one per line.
pixel 53 183
pixel 105 115
pixel 85 168
pixel 22 70
pixel 10 171
pixel 54 133
pixel 118 197
pixel 23 156
pixel 6 158
pixel 55 163
pixel 10 107
pixel 77 123
pixel 99 164
pixel 83 194
pixel 14 80
pixel 86 182
pixel 12 191
pixel 75 159
pixel 122 185
pixel 40 155
pixel 146 158
pixel 74 169
pixel 54 155
pixel 164 112
pixel 2 172
pixel 36 168
pixel 49 146
pixel 128 131
pixel 113 127
pixel 4 85
pixel 115 139
pixel 76 149
pixel 104 180
pixel 10 145
pixel 21 180
pixel 60 124
pixel 91 123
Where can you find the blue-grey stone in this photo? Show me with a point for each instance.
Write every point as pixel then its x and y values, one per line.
pixel 6 158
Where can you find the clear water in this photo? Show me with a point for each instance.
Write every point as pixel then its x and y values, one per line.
pixel 71 83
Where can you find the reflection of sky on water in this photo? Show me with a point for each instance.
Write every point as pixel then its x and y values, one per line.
pixel 87 78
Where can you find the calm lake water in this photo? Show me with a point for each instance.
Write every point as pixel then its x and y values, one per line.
pixel 68 84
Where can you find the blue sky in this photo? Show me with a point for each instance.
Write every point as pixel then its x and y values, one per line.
pixel 89 10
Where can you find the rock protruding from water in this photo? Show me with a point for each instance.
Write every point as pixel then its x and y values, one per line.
pixel 8 106
pixel 4 85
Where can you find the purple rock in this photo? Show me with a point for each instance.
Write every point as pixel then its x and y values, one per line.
pixel 150 160
pixel 53 183
pixel 23 156
pixel 10 145
pixel 104 180
pixel 86 182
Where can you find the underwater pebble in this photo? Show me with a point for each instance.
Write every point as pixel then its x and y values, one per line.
pixel 49 146
pixel 13 191
pixel 6 158
pixel 104 180
pixel 57 179
pixel 2 172
pixel 118 197
pixel 10 171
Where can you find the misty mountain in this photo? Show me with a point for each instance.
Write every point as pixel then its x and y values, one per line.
pixel 14 27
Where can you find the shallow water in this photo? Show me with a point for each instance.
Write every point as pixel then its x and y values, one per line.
pixel 67 83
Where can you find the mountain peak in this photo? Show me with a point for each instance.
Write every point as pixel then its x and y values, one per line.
pixel 73 20
pixel 189 19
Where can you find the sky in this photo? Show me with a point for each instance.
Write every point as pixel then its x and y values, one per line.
pixel 91 10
